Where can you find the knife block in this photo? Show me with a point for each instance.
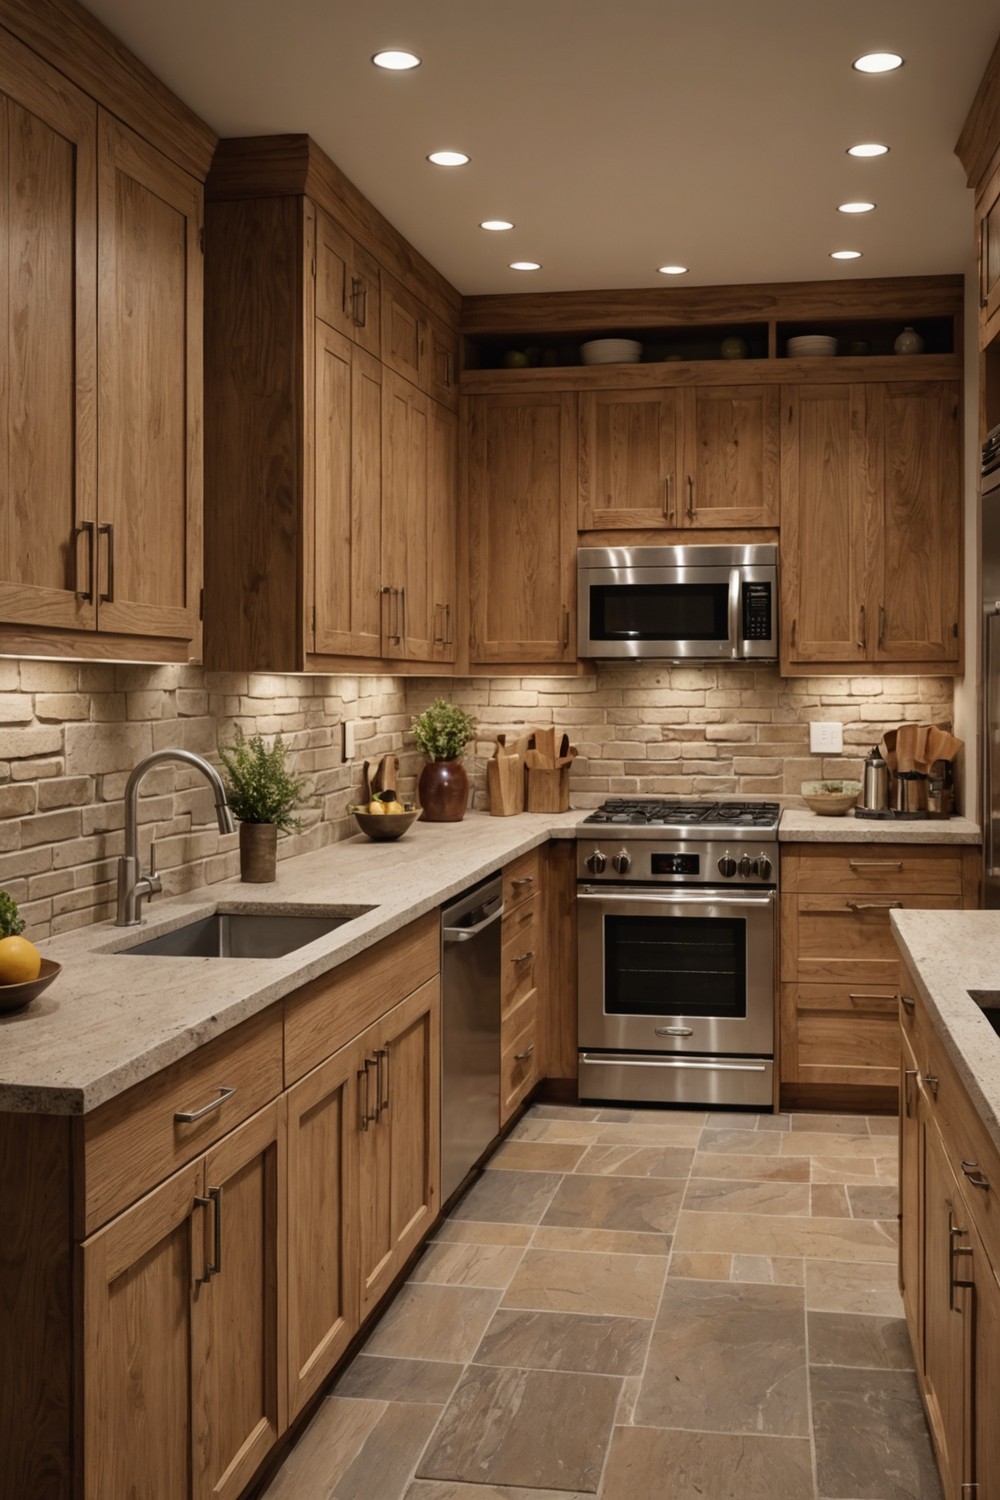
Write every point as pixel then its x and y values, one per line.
pixel 548 791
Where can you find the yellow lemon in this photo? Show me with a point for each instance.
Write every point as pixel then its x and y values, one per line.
pixel 376 807
pixel 394 807
pixel 20 961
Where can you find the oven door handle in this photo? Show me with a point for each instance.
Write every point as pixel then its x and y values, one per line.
pixel 672 896
pixel 713 1065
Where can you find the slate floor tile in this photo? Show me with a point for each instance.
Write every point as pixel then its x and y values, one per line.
pixel 434 1322
pixel 626 1286
pixel 648 1462
pixel 508 1197
pixel 589 1343
pixel 646 1205
pixel 861 1340
pixel 889 1455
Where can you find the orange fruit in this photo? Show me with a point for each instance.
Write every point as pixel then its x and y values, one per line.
pixel 20 961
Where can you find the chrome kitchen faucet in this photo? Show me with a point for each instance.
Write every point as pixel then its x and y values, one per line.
pixel 132 883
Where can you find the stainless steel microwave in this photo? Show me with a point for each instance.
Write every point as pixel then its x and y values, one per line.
pixel 688 604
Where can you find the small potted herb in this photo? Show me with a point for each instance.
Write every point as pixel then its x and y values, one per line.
pixel 262 794
pixel 442 733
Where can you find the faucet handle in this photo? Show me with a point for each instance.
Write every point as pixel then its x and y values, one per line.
pixel 153 882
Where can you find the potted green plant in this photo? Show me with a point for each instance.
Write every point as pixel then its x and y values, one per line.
pixel 442 733
pixel 262 793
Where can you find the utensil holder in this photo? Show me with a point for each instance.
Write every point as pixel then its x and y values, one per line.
pixel 548 791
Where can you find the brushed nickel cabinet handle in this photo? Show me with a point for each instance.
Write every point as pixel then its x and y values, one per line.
pixel 382 1075
pixel 955 1282
pixel 975 1176
pixel 863 620
pixel 933 1082
pixel 881 625
pixel 86 528
pixel 668 497
pixel 908 1073
pixel 874 905
pixel 875 864
pixel 522 958
pixel 213 1201
pixel 864 995
pixel 359 298
pixel 565 631
pixel 107 529
pixel 368 1116
pixel 186 1118
pixel 523 880
pixel 908 1003
pixel 690 504
pixel 523 1056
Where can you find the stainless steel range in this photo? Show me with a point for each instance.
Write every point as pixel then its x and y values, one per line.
pixel 676 905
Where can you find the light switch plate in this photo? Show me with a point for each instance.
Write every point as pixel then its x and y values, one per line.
pixel 348 750
pixel 826 739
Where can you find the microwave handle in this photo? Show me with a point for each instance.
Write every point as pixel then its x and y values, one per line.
pixel 735 601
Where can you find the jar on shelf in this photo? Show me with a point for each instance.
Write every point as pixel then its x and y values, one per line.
pixel 909 342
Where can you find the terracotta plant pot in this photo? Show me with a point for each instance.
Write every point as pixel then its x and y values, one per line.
pixel 258 852
pixel 443 790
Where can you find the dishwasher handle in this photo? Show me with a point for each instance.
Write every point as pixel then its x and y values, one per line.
pixel 494 910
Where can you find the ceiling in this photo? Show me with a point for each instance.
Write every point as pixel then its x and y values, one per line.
pixel 618 135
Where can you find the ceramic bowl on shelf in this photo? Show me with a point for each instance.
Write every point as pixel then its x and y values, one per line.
pixel 16 996
pixel 831 799
pixel 611 352
pixel 386 825
pixel 811 346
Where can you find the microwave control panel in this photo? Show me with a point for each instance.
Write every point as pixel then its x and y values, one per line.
pixel 757 612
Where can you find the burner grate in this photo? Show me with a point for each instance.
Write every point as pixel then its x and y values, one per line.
pixel 636 812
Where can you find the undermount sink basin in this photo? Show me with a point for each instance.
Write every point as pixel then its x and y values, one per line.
pixel 989 1003
pixel 244 935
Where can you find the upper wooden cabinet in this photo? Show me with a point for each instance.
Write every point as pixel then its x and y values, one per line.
pixel 871 526
pixel 347 285
pixel 416 344
pixel 988 244
pixel 100 255
pixel 522 521
pixel 731 468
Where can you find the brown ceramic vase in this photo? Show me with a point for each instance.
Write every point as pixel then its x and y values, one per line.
pixel 443 790
pixel 258 852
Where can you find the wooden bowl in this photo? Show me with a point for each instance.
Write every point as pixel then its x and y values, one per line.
pixel 386 825
pixel 16 996
pixel 831 799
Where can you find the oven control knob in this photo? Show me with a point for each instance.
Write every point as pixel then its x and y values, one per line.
pixel 746 866
pixel 764 867
pixel 596 862
pixel 727 866
pixel 621 862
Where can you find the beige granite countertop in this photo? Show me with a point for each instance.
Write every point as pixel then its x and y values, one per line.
pixel 799 825
pixel 108 1022
pixel 950 953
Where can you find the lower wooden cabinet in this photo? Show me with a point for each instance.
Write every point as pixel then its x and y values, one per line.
pixel 522 961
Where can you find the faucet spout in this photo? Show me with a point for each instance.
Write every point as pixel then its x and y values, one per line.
pixel 132 883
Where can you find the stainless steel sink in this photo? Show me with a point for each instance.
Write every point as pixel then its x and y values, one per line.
pixel 989 1003
pixel 245 934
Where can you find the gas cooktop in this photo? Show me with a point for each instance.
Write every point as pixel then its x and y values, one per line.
pixel 634 813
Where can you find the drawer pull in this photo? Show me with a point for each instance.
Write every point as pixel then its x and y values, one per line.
pixel 213 1200
pixel 873 905
pixel 875 864
pixel 522 958
pixel 185 1118
pixel 523 1056
pixel 863 995
pixel 955 1282
pixel 975 1176
pixel 908 1003
pixel 523 880
pixel 932 1081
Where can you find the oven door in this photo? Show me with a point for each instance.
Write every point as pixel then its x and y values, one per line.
pixel 677 971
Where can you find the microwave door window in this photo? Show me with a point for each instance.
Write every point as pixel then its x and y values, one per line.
pixel 659 612
pixel 675 966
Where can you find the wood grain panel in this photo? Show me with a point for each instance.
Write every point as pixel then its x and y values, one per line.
pixel 522 878
pixel 978 142
pixel 133 1141
pixel 441 542
pixel 403 345
pixel 373 1227
pixel 882 869
pixel 408 619
pixel 410 1037
pixel 520 956
pixel 731 456
pixel 519 1060
pixel 630 458
pixel 832 941
pixel 557 998
pixel 326 1014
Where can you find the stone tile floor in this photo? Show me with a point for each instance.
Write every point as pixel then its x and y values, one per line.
pixel 643 1305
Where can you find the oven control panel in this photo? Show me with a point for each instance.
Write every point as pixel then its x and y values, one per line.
pixel 707 863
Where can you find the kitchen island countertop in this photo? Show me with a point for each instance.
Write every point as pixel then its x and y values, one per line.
pixel 108 1022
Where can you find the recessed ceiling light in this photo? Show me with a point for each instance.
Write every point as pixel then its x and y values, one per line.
pixel 878 62
pixel 868 148
pixel 396 61
pixel 855 208
pixel 448 158
pixel 845 254
pixel 525 265
pixel 672 270
pixel 496 224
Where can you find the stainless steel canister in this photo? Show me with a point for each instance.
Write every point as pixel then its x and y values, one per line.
pixel 875 786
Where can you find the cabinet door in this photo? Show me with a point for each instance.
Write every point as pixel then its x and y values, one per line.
pixel 347 285
pixel 914 441
pixel 407 602
pixel 149 389
pixel 410 1038
pixel 48 312
pixel 322 1191
pixel 910 1236
pixel 403 344
pixel 629 458
pixel 988 232
pixel 376 1261
pixel 142 1281
pixel 238 1347
pixel 986 1374
pixel 947 1311
pixel 347 567
pixel 731 456
pixel 824 588
pixel 522 527
pixel 442 509
pixel 442 362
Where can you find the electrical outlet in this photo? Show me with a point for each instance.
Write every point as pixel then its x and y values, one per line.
pixel 826 739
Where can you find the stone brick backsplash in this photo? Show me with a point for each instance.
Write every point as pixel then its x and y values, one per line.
pixel 70 733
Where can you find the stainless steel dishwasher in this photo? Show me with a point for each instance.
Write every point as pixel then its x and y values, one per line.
pixel 470 1028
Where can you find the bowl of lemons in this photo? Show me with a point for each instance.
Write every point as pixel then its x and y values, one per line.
pixel 24 973
pixel 384 817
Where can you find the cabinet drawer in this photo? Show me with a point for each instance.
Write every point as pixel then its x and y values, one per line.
pixel 837 1046
pixel 323 1016
pixel 135 1141
pixel 518 954
pixel 872 870
pixel 519 1062
pixel 847 938
pixel 521 879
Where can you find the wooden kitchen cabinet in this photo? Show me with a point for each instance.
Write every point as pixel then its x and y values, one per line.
pixel 839 965
pixel 100 542
pixel 522 479
pixel 347 285
pixel 988 243
pixel 522 964
pixel 416 345
pixel 871 526
pixel 947 1311
pixel 688 457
